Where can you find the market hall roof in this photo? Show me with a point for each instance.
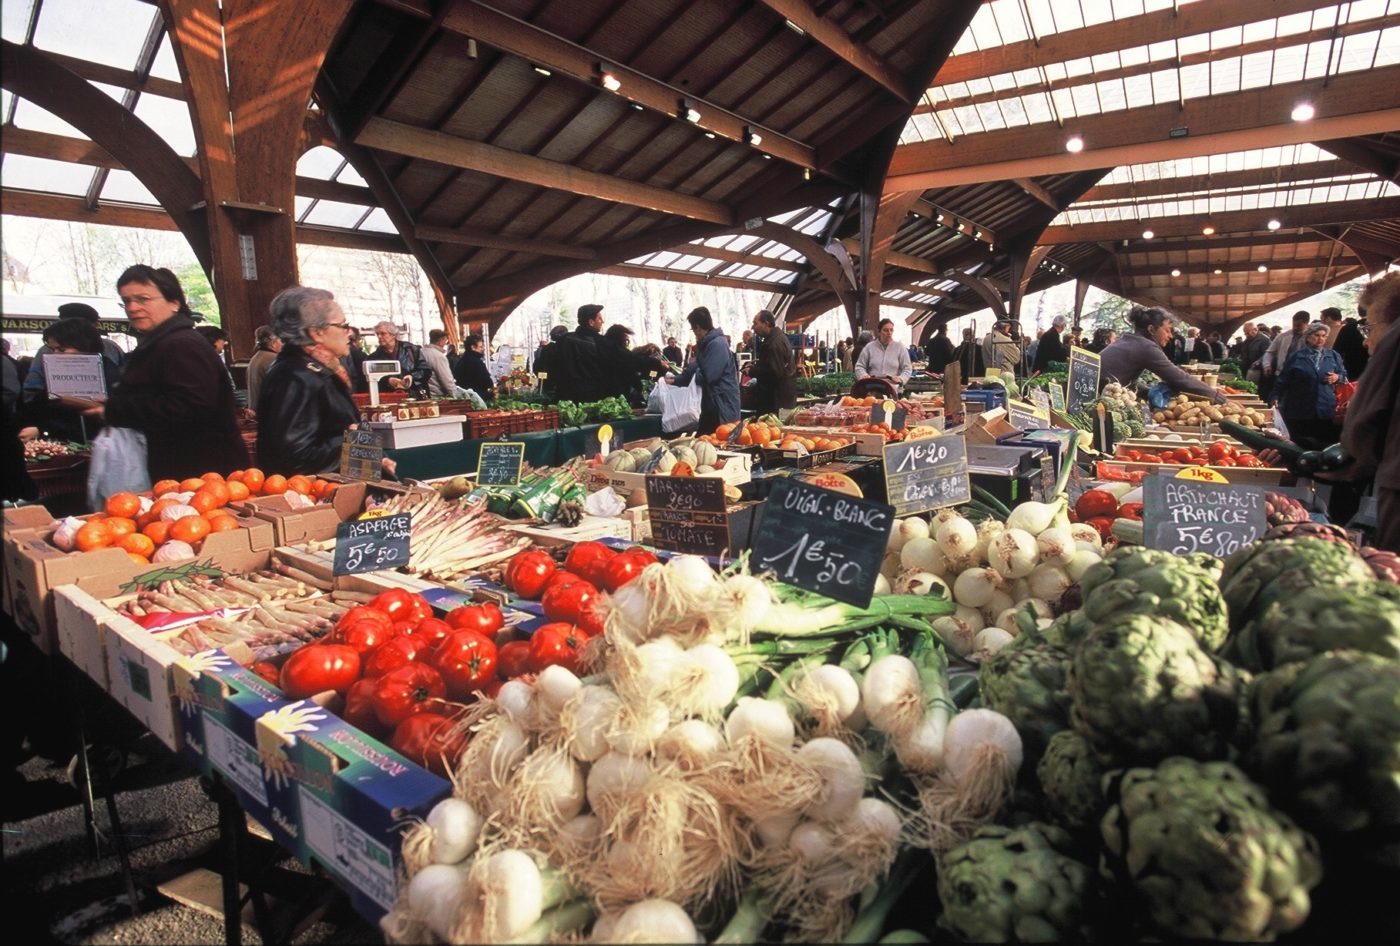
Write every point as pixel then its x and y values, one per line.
pixel 510 144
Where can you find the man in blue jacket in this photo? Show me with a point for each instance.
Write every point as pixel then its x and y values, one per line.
pixel 718 378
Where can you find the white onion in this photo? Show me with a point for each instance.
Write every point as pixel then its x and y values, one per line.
pixel 655 921
pixel 1033 517
pixel 1001 600
pixel 843 780
pixel 890 566
pixel 514 698
pixel 956 536
pixel 434 895
pixel 913 527
pixel 766 720
pixel 972 729
pixel 1083 532
pixel 1082 561
pixel 989 641
pixel 958 632
pixel 615 774
pixel 922 555
pixel 1049 582
pixel 882 585
pixel 691 743
pixel 590 716
pixel 922 583
pixel 556 685
pixel 1056 545
pixel 830 688
pixel 1013 553
pixel 987 532
pixel 455 824
pixel 975 586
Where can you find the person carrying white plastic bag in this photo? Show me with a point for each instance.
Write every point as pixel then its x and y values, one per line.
pixel 680 406
pixel 118 465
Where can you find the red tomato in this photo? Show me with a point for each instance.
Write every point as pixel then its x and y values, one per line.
pixel 408 690
pixel 419 609
pixel 1104 525
pixel 393 654
pixel 364 636
pixel 359 707
pixel 1221 450
pixel 1130 511
pixel 589 560
pixel 590 619
pixel 624 567
pixel 361 612
pixel 486 618
pixel 430 739
pixel 1226 461
pixel 528 572
pixel 556 643
pixel 268 671
pixel 434 629
pixel 320 667
pixel 567 602
pixel 559 579
pixel 513 659
pixel 466 660
pixel 1096 502
pixel 396 602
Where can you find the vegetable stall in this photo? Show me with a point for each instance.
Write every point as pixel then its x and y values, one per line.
pixel 861 677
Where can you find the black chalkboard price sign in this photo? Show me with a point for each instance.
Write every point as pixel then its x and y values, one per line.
pixel 368 545
pixel 1024 415
pixel 499 464
pixel 823 541
pixel 927 474
pixel 1183 516
pixel 1083 378
pixel 688 514
pixel 361 454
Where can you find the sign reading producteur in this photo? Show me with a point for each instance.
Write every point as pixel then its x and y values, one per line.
pixel 823 541
pixel 1183 516
pixel 688 514
pixel 927 474
pixel 361 454
pixel 367 545
pixel 1083 378
pixel 499 464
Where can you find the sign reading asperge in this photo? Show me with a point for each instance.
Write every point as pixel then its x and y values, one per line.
pixel 1083 378
pixel 75 375
pixel 688 514
pixel 1186 515
pixel 823 541
pixel 361 454
pixel 927 474
pixel 499 464
pixel 368 545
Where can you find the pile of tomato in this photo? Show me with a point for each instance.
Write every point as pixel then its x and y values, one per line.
pixel 1218 453
pixel 1099 507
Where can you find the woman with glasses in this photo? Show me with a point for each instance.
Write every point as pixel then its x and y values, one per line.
pixel 173 388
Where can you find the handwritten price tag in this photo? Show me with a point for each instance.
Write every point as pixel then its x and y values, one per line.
pixel 368 545
pixel 1190 515
pixel 823 541
pixel 927 474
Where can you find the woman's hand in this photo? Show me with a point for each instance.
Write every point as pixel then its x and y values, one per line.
pixel 1332 377
pixel 1270 457
pixel 29 433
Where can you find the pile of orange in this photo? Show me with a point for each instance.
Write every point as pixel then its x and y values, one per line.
pixel 123 525
pixel 869 400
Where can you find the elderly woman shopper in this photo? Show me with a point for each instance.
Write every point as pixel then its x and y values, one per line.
pixel 714 369
pixel 1305 395
pixel 414 379
pixel 268 345
pixel 174 388
pixel 1145 350
pixel 306 402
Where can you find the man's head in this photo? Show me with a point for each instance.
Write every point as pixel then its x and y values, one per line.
pixel 591 316
pixel 700 320
pixel 1250 330
pixel 78 310
pixel 1274 331
pixel 886 331
pixel 748 336
pixel 1193 332
pixel 763 322
pixel 558 332
pixel 1379 305
pixel 1300 322
pixel 672 342
pixel 1331 315
pixel 476 343
pixel 1059 323
pixel 437 338
pixel 388 334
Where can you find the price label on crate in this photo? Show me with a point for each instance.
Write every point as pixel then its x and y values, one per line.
pixel 823 541
pixel 499 464
pixel 688 514
pixel 368 545
pixel 1187 515
pixel 361 453
pixel 1083 378
pixel 889 412
pixel 1024 415
pixel 1057 397
pixel 927 474
pixel 1041 399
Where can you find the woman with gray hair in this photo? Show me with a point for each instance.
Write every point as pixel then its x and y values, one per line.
pixel 304 404
pixel 1305 395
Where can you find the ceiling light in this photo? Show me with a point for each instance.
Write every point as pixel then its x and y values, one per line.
pixel 1263 268
pixel 752 137
pixel 1208 230
pixel 1303 112
pixel 794 27
pixel 1074 144
pixel 977 234
pixel 1148 234
pixel 938 219
pixel 806 174
pixel 1274 224
pixel 610 81
pixel 542 70
pixel 689 112
pixel 1219 271
pixel 767 156
pixel 1176 272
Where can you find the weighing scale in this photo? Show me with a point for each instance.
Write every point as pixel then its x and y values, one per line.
pixel 376 369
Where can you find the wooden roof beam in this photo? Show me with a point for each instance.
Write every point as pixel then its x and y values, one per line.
pixel 1239 221
pixel 1193 184
pixel 1144 29
pixel 1039 193
pixel 526 41
pixel 901 260
pixel 1353 104
pixel 699 279
pixel 1292 237
pixel 1233 266
pixel 121 78
pixel 1363 157
pixel 440 148
pixel 838 42
pixel 498 242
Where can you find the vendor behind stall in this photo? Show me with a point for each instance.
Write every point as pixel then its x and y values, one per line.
pixel 1144 350
pixel 885 358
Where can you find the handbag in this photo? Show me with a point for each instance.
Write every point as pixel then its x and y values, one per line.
pixel 1344 391
pixel 118 465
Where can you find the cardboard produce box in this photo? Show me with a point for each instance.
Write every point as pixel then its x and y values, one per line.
pixel 291 526
pixel 34 566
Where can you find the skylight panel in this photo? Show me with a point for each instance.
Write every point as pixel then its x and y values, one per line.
pixel 123 187
pixel 113 37
pixel 1288 64
pixel 32 117
pixel 1225 76
pixel 164 66
pixel 1112 96
pixel 1195 81
pixel 1009 22
pixel 335 213
pixel 1256 69
pixel 1165 87
pixel 1358 52
pixel 170 119
pixel 378 222
pixel 1388 51
pixel 1138 90
pixel 664 260
pixel 320 162
pixel 303 204
pixel 1317 60
pixel 348 175
pixel 40 174
pixel 1193 45
pixel 991 116
pixel 14 19
pixel 1294 23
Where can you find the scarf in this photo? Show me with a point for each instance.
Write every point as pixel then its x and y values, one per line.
pixel 321 354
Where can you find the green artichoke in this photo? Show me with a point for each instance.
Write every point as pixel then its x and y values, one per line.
pixel 1209 857
pixel 1258 575
pixel 1177 589
pixel 1025 682
pixel 1066 630
pixel 1328 749
pixel 1070 776
pixel 1129 561
pixel 1015 885
pixel 1142 689
pixel 1320 619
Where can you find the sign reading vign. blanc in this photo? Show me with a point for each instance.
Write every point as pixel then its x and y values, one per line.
pixel 1183 516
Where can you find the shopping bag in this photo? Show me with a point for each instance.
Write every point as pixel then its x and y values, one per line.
pixel 1344 391
pixel 680 406
pixel 118 465
pixel 654 398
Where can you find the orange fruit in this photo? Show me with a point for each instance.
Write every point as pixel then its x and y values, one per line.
pixel 119 525
pixel 157 532
pixel 274 484
pixel 152 514
pixel 190 529
pixel 237 491
pixel 137 544
pixel 165 486
pixel 191 484
pixel 222 523
pixel 220 490
pixel 93 535
pixel 204 500
pixel 235 477
pixel 299 484
pixel 138 558
pixel 212 477
pixel 253 479
pixel 220 513
pixel 126 505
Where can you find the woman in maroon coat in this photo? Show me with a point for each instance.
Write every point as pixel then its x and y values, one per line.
pixel 173 388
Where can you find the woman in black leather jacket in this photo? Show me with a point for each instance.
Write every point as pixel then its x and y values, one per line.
pixel 304 406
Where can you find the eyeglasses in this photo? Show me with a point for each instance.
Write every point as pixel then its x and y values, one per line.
pixel 129 301
pixel 344 325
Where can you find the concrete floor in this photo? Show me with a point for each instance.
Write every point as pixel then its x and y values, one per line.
pixel 58 892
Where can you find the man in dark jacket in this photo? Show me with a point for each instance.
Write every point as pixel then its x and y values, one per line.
pixel 547 358
pixel 1346 340
pixel 1255 344
pixel 579 362
pixel 1052 345
pixel 773 367
pixel 471 371
pixel 939 350
pixel 672 352
pixel 414 379
pixel 713 370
